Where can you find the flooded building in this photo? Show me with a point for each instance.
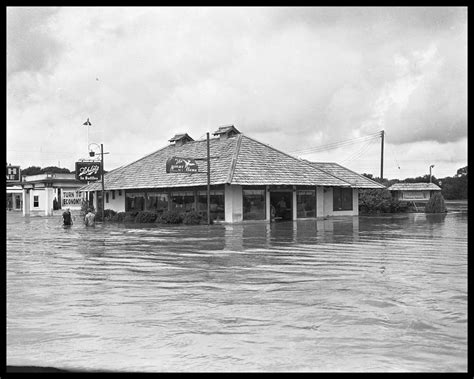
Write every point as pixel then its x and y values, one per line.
pixel 249 180
pixel 413 193
pixel 44 193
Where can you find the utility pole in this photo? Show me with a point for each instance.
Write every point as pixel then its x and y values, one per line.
pixel 208 182
pixel 430 171
pixel 381 155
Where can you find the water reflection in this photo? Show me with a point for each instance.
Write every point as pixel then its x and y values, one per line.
pixel 379 293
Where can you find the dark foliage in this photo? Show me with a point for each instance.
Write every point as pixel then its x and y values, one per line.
pixel 145 217
pixel 192 218
pixel 378 201
pixel 130 216
pixel 435 204
pixel 170 217
pixel 35 170
pixel 118 217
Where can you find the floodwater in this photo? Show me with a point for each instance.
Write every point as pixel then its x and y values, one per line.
pixel 379 294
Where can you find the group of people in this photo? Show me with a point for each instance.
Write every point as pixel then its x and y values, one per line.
pixel 68 219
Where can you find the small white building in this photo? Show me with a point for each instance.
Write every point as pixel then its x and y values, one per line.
pixel 44 193
pixel 413 192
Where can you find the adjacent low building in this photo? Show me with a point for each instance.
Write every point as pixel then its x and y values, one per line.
pixel 44 193
pixel 249 180
pixel 413 192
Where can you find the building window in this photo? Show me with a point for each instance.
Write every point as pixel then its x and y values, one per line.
pixel 342 199
pixel 113 194
pixel 217 204
pixel 120 192
pixel 134 201
pixel 35 201
pixel 107 197
pixel 306 203
pixel 253 204
pixel 182 200
pixel 157 202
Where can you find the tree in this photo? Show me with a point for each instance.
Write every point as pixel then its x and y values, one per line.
pixel 54 170
pixel 462 171
pixel 32 170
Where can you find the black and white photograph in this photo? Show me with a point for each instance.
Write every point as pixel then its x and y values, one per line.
pixel 232 189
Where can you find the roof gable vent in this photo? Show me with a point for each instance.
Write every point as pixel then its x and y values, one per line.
pixel 181 139
pixel 226 131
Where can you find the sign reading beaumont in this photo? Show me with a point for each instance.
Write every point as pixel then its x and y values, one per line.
pixel 176 164
pixel 88 171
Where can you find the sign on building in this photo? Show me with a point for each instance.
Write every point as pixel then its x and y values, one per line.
pixel 186 165
pixel 71 198
pixel 13 174
pixel 88 171
pixel 415 195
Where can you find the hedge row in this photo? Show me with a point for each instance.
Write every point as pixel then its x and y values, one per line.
pixel 147 217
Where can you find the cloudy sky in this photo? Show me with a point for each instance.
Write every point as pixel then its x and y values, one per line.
pixel 300 79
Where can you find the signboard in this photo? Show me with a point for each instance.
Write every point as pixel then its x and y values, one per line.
pixel 415 195
pixel 69 198
pixel 186 165
pixel 88 171
pixel 13 174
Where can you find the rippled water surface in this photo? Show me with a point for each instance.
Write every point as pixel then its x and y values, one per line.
pixel 386 293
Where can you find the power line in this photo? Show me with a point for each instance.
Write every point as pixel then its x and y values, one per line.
pixel 335 145
pixel 361 151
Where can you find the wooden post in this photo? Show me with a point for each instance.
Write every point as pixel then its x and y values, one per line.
pixel 208 182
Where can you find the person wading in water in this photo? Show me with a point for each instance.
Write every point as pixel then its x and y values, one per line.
pixel 67 218
pixel 89 218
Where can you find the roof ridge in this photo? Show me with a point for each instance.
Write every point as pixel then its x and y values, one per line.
pixel 297 159
pixel 234 159
pixel 362 176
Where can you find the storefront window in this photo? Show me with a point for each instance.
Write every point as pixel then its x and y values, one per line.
pixel 253 204
pixel 342 199
pixel 157 202
pixel 217 206
pixel 135 201
pixel 306 203
pixel 182 200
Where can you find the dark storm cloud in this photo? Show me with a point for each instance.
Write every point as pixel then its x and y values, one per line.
pixel 31 46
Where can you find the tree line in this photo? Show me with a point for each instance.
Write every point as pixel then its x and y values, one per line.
pixel 35 170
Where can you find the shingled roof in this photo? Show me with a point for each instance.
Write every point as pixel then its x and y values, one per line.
pixel 356 180
pixel 240 160
pixel 414 187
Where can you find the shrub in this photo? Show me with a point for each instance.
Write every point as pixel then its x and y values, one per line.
pixel 436 204
pixel 130 216
pixel 118 217
pixel 145 217
pixel 170 217
pixel 109 214
pixel 377 201
pixel 192 218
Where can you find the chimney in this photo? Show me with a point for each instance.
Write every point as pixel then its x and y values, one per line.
pixel 226 131
pixel 181 139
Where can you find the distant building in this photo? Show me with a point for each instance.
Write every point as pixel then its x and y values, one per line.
pixel 14 198
pixel 413 192
pixel 44 193
pixel 249 181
